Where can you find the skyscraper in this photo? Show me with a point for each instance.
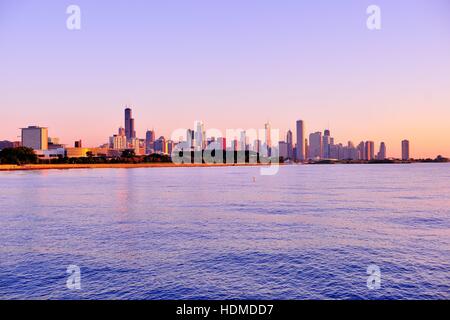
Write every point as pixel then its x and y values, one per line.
pixel 300 140
pixel 118 142
pixel 315 145
pixel 369 152
pixel 234 145
pixel 35 137
pixel 130 133
pixel 149 141
pixel 290 144
pixel 190 138
pixel 326 142
pixel 170 146
pixel 382 152
pixel 268 135
pixel 222 143
pixel 283 149
pixel 160 145
pixel 361 150
pixel 243 141
pixel 257 146
pixel 200 139
pixel 405 150
pixel 306 149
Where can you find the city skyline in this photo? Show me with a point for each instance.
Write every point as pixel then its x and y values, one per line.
pixel 232 65
pixel 317 147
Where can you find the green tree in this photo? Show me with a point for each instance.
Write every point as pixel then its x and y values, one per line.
pixel 128 153
pixel 21 155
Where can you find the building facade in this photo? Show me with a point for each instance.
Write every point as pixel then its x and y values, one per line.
pixel 315 145
pixel 35 137
pixel 130 133
pixel 300 148
pixel 405 150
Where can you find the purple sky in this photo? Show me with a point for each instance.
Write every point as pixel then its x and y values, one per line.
pixel 232 64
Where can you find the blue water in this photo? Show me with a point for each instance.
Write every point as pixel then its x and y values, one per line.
pixel 309 232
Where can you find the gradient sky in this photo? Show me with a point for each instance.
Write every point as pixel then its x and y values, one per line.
pixel 232 64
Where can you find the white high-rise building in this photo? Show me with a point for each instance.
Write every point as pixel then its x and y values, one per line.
pixel 118 142
pixel 315 145
pixel 200 139
pixel 243 141
pixel 300 141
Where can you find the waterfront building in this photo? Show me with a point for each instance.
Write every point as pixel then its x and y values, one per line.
pixel 53 140
pixel 190 138
pixel 243 141
pixel 222 143
pixel 268 137
pixel 283 149
pixel 5 144
pixel 149 141
pixel 369 150
pixel 301 152
pixel 405 150
pixel 315 145
pixel 170 147
pixel 257 146
pixel 326 143
pixel 382 152
pixel 78 144
pixel 116 142
pixel 199 136
pixel 77 152
pixel 130 132
pixel 35 137
pixel 160 145
pixel 360 149
pixel 290 145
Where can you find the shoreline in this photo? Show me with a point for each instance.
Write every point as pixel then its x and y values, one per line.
pixel 36 167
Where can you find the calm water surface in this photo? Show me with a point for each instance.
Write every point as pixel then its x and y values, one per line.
pixel 309 232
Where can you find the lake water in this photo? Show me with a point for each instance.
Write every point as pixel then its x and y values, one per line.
pixel 309 232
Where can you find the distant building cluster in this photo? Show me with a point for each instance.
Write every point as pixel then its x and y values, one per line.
pixel 315 147
pixel 193 140
pixel 126 139
pixel 322 146
pixel 46 147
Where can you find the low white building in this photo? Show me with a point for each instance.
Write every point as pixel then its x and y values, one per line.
pixel 51 153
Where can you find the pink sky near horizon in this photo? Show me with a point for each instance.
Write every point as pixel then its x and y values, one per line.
pixel 231 65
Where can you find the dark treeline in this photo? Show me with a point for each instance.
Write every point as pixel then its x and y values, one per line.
pixel 19 156
pixel 23 155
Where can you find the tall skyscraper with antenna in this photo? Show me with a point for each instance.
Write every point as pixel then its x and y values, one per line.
pixel 130 133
